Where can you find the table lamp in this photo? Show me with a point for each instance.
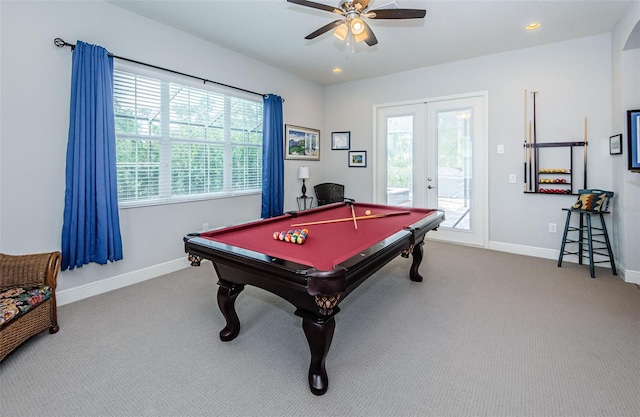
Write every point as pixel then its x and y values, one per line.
pixel 303 174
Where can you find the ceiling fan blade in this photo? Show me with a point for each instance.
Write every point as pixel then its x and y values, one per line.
pixel 371 38
pixel 324 29
pixel 397 14
pixel 315 5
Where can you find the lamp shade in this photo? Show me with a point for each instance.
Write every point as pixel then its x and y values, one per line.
pixel 303 173
pixel 360 36
pixel 341 31
pixel 357 26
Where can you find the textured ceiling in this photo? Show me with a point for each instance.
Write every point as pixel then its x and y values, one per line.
pixel 273 31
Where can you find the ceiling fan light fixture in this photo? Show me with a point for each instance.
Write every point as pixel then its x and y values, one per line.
pixel 341 31
pixel 351 28
pixel 360 37
pixel 357 26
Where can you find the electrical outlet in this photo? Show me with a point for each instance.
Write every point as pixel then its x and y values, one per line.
pixel 512 178
pixel 205 226
pixel 553 228
pixel 500 149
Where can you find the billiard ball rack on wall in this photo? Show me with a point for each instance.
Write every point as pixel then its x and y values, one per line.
pixel 539 179
pixel 556 180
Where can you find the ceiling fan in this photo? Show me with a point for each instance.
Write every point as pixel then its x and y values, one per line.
pixel 351 24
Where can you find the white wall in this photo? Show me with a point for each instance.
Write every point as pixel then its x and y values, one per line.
pixel 573 79
pixel 35 83
pixel 626 96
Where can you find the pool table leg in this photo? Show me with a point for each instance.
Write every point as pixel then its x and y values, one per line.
pixel 227 294
pixel 319 335
pixel 417 259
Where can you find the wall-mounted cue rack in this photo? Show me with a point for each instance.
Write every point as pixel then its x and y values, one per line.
pixel 542 179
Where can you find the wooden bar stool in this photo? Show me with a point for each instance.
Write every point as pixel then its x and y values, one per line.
pixel 591 203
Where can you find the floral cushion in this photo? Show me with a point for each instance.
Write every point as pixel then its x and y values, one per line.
pixel 15 302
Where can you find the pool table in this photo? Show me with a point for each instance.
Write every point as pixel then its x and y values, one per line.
pixel 337 256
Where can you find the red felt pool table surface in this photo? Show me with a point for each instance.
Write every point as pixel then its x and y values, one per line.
pixel 327 245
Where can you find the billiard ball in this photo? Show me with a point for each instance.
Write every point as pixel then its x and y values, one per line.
pixel 367 212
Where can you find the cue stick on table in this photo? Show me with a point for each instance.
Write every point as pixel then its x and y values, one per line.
pixel 353 214
pixel 347 219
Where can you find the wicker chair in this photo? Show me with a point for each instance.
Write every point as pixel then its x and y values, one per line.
pixel 28 271
pixel 328 192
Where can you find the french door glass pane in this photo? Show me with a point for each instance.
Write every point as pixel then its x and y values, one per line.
pixel 454 167
pixel 400 160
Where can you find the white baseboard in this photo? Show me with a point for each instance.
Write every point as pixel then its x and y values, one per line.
pixel 113 283
pixel 629 276
pixel 632 277
pixel 524 250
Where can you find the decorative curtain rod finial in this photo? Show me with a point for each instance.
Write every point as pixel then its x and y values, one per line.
pixel 60 43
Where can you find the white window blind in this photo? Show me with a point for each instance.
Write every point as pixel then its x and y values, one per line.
pixel 175 142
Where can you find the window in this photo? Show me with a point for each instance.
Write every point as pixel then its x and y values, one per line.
pixel 175 142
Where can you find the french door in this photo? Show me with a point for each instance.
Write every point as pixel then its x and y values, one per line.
pixel 433 154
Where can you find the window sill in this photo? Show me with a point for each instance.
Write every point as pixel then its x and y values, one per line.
pixel 186 199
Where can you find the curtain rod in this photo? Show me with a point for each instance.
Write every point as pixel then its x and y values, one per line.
pixel 60 43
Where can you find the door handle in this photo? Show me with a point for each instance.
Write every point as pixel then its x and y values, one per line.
pixel 430 187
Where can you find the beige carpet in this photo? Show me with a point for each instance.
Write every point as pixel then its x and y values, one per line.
pixel 486 334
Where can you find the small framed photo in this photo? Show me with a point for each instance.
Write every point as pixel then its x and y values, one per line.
pixel 615 144
pixel 341 140
pixel 357 159
pixel 301 143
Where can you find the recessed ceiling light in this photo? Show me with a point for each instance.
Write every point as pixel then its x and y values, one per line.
pixel 533 26
pixel 337 70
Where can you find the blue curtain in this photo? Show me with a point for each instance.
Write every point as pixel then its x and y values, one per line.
pixel 272 157
pixel 91 227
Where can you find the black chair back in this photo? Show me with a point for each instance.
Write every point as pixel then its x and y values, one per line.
pixel 328 192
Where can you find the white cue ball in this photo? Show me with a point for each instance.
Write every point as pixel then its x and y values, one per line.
pixel 367 212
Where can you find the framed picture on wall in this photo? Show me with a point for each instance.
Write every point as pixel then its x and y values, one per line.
pixel 357 159
pixel 301 143
pixel 341 140
pixel 615 144
pixel 633 139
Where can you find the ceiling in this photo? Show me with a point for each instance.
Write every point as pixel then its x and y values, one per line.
pixel 273 31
